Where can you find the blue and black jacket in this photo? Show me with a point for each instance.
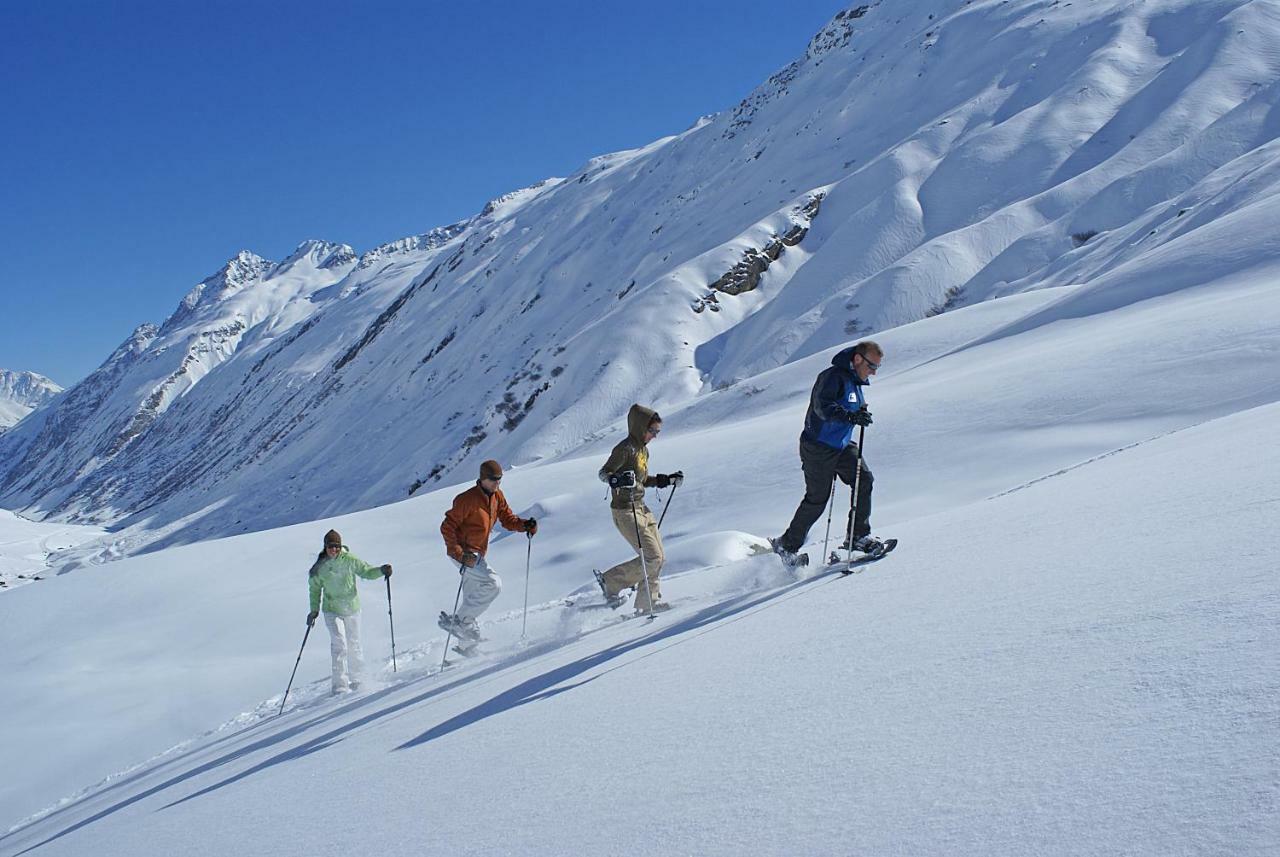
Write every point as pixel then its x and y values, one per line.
pixel 836 395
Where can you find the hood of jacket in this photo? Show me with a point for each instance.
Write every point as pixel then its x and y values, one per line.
pixel 638 419
pixel 843 359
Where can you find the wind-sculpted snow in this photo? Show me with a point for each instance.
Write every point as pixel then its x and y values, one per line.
pixel 961 151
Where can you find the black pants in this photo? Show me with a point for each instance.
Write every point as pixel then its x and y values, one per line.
pixel 821 465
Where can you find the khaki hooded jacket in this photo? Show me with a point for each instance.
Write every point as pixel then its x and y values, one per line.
pixel 631 454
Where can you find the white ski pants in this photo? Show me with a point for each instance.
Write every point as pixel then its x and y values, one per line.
pixel 480 585
pixel 344 649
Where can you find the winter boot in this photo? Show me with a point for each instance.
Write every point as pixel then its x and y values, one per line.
pixel 866 544
pixel 614 601
pixel 791 559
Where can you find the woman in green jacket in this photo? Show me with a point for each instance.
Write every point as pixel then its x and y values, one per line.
pixel 332 581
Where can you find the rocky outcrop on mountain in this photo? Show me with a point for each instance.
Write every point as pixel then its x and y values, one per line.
pixel 745 275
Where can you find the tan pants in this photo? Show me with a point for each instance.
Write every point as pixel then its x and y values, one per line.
pixel 649 544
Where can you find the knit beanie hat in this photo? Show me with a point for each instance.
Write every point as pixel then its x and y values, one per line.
pixel 332 538
pixel 490 470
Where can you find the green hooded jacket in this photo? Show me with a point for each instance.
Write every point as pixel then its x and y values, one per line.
pixel 335 579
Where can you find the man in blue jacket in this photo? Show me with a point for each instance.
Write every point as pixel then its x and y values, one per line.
pixel 827 449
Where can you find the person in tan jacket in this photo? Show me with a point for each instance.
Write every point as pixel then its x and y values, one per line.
pixel 466 529
pixel 627 474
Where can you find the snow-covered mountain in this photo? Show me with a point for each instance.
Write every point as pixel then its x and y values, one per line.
pixel 917 158
pixel 21 393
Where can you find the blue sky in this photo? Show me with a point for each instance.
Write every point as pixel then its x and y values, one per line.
pixel 148 142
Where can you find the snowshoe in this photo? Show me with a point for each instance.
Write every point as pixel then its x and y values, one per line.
pixel 656 607
pixel 791 559
pixel 864 544
pixel 885 548
pixel 460 628
pixel 613 601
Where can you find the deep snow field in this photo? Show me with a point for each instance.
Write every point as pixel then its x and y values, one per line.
pixel 1073 650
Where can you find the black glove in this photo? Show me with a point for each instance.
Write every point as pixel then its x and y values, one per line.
pixel 386 570
pixel 662 480
pixel 860 417
pixel 311 617
pixel 677 478
pixel 470 558
pixel 624 479
pixel 531 526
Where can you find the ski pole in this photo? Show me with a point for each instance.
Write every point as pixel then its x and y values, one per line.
pixel 462 571
pixel 853 500
pixel 831 507
pixel 392 618
pixel 667 505
pixel 644 567
pixel 528 556
pixel 295 669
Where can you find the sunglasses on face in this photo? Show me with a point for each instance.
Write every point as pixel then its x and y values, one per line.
pixel 654 431
pixel 493 479
pixel 333 547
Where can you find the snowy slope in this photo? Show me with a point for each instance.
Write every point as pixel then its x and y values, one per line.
pixel 1053 662
pixel 916 159
pixel 29 551
pixel 21 393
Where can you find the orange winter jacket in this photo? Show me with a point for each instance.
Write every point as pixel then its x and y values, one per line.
pixel 466 526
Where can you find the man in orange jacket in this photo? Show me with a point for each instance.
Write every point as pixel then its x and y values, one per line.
pixel 466 530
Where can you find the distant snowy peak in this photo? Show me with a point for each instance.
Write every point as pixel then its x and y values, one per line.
pixel 318 254
pixel 432 240
pixel 21 393
pixel 834 36
pixel 137 343
pixel 839 32
pixel 509 203
pixel 244 269
pixel 495 209
pixel 27 388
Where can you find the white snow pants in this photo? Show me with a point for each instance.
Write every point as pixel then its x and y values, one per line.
pixel 344 648
pixel 480 585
